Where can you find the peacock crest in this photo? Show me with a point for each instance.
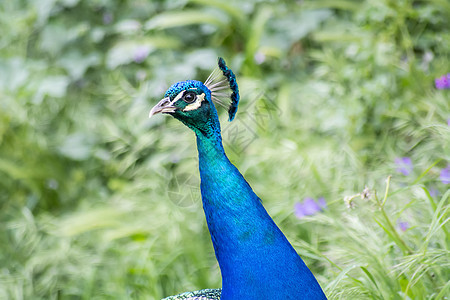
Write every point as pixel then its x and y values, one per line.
pixel 223 86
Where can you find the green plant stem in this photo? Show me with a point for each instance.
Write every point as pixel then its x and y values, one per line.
pixel 388 181
pixel 402 244
pixel 397 239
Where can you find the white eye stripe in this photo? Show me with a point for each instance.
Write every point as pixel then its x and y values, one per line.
pixel 178 97
pixel 198 102
pixel 181 94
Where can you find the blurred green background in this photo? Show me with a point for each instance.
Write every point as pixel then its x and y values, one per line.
pixel 99 202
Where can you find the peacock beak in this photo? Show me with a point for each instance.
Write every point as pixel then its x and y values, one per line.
pixel 163 106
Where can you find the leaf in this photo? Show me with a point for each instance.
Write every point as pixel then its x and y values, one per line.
pixel 183 18
pixel 69 3
pixel 391 235
pixel 337 4
pixel 229 8
pixel 76 146
pixel 76 64
pixel 335 282
pixel 127 51
pixel 295 26
pixel 43 9
pixel 443 292
pixel 53 38
pixel 372 279
pixel 96 218
pixel 56 36
pixel 128 26
pixel 13 73
pixel 54 86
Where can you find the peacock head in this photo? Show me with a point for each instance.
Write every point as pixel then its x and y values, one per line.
pixel 192 101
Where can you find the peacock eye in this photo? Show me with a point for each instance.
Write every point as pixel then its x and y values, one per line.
pixel 189 97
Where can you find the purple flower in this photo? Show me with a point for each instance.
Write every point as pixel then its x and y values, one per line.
pixel 445 175
pixel 448 121
pixel 443 82
pixel 404 165
pixel 403 225
pixel 309 207
pixel 140 75
pixel 259 57
pixel 141 53
pixel 298 210
pixel 322 203
pixel 433 191
pixel 107 18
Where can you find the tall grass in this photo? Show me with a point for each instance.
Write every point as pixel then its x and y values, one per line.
pixel 98 202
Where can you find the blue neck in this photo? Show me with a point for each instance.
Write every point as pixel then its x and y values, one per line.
pixel 255 258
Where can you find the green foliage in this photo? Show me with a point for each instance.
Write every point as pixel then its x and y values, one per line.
pixel 99 202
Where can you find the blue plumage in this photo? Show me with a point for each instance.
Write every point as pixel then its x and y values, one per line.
pixel 255 258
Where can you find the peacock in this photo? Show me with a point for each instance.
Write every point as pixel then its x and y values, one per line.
pixel 255 258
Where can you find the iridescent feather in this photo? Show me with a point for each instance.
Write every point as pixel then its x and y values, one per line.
pixel 223 86
pixel 208 294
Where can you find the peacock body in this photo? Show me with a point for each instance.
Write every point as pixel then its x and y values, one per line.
pixel 256 260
